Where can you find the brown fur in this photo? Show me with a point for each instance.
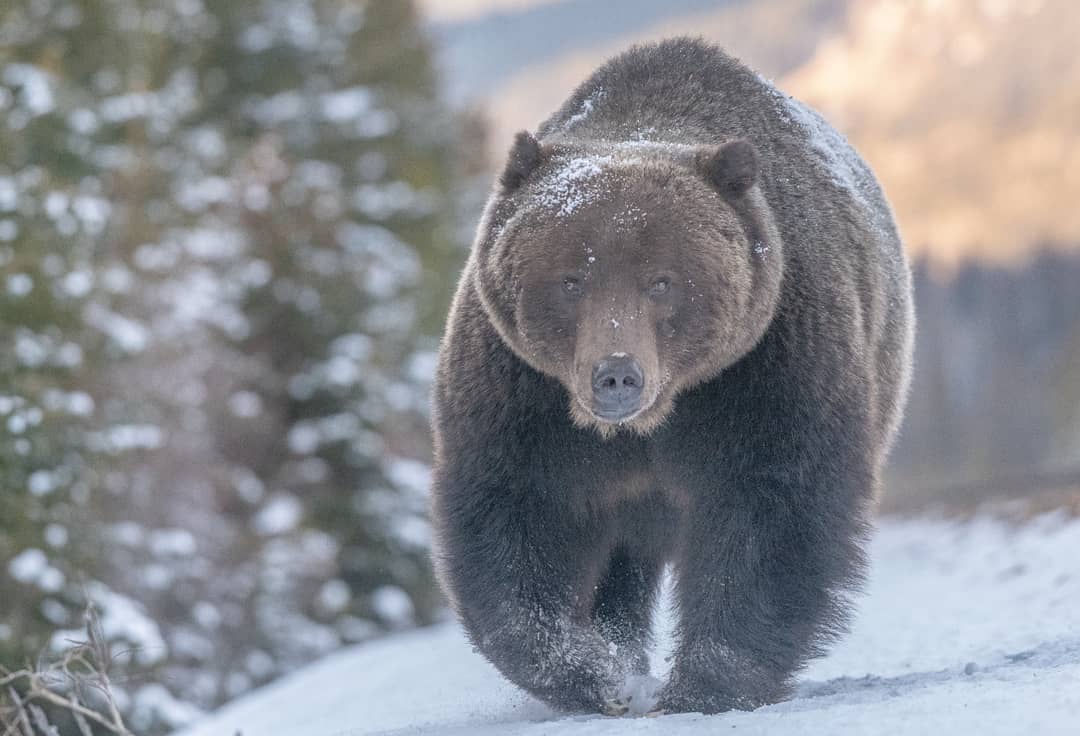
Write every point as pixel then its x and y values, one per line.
pixel 687 214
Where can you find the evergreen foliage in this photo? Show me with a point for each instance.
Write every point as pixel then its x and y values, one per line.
pixel 227 234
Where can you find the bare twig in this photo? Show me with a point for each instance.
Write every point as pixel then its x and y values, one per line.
pixel 14 677
pixel 21 718
pixel 66 703
pixel 100 649
pixel 84 727
pixel 9 730
pixel 83 664
pixel 42 721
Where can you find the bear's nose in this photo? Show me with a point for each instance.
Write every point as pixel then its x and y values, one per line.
pixel 617 382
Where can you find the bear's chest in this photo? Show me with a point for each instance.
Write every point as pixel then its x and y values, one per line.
pixel 630 485
pixel 614 475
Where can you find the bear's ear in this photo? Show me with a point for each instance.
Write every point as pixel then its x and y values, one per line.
pixel 525 156
pixel 732 168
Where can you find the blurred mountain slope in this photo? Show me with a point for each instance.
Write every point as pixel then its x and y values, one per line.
pixel 774 36
pixel 969 110
pixel 445 11
pixel 481 53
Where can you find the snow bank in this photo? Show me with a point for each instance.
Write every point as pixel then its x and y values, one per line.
pixel 965 629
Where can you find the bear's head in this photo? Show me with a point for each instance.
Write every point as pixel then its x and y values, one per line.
pixel 628 271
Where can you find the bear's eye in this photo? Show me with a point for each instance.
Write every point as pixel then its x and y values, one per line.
pixel 659 287
pixel 571 285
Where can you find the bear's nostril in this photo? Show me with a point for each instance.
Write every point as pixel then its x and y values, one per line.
pixel 617 386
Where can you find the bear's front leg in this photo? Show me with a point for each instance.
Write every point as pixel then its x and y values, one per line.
pixel 522 579
pixel 761 582
pixel 623 605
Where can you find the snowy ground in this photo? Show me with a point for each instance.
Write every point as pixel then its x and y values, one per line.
pixel 967 628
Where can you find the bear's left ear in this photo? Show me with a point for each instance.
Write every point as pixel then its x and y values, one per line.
pixel 525 156
pixel 732 168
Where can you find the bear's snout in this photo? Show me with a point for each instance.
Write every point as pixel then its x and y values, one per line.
pixel 617 383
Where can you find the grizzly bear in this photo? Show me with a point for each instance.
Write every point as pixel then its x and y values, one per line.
pixel 683 337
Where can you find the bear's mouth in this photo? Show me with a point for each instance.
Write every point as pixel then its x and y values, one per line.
pixel 616 416
pixel 642 421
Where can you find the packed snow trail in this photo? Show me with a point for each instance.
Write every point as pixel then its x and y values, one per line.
pixel 969 628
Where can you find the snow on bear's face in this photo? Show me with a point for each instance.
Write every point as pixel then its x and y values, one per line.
pixel 631 276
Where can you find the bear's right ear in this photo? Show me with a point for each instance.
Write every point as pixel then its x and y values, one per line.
pixel 525 157
pixel 732 168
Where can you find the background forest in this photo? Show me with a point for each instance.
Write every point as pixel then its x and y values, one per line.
pixel 229 232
